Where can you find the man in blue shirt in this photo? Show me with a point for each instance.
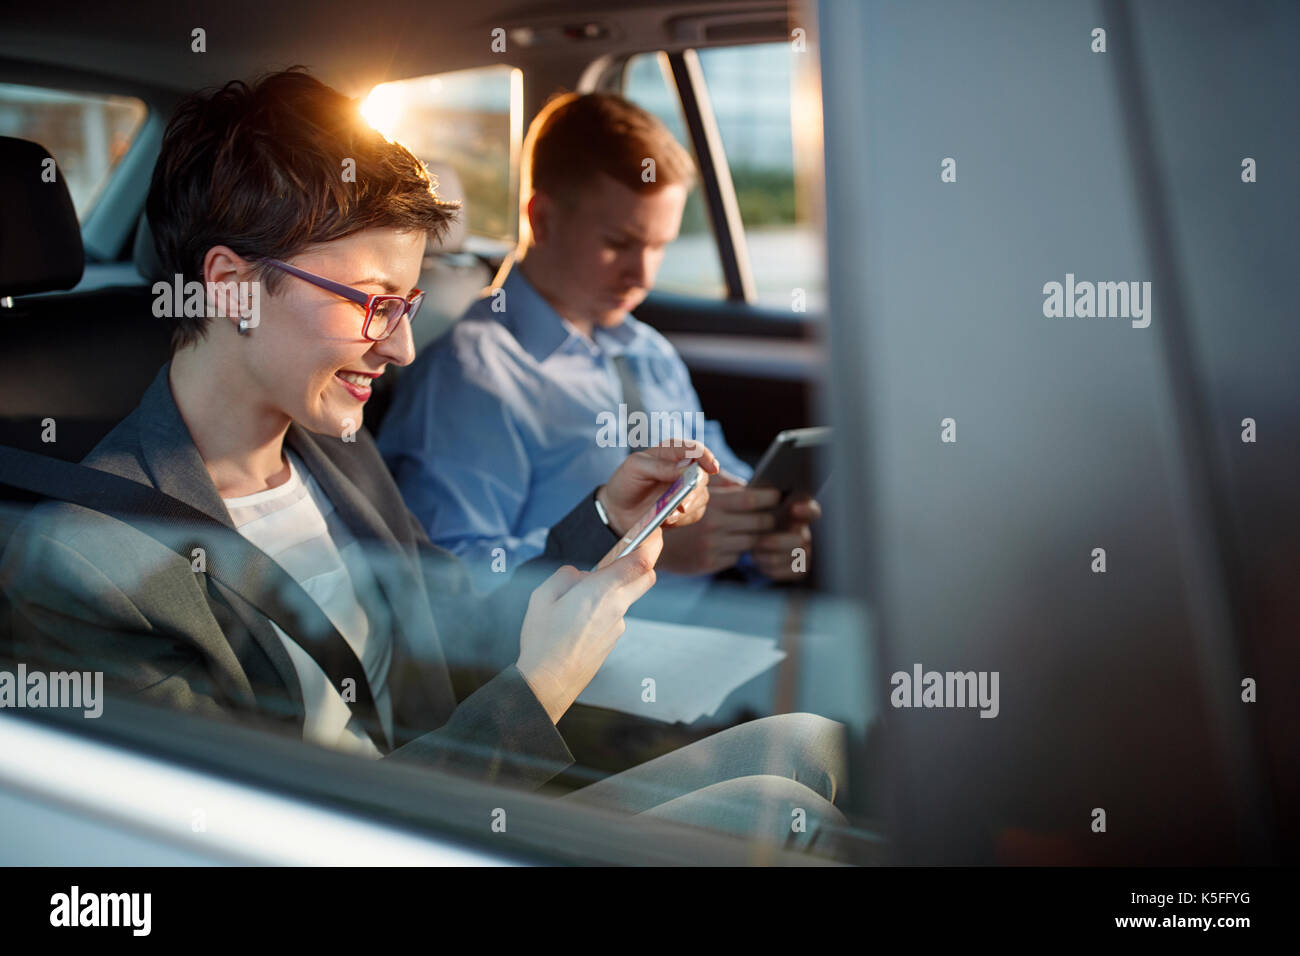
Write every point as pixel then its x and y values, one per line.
pixel 547 382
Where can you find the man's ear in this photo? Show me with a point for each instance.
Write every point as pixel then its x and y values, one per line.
pixel 541 213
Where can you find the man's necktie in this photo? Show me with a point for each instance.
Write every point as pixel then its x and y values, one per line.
pixel 631 393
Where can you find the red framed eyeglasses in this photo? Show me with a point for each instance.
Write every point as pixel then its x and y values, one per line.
pixel 383 311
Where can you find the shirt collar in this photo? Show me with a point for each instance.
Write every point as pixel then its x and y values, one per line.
pixel 621 337
pixel 542 331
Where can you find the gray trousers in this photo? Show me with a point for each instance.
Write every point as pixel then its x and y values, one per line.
pixel 773 779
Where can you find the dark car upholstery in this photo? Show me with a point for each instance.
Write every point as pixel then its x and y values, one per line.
pixel 75 363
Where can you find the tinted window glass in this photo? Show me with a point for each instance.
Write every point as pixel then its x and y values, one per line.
pixel 87 134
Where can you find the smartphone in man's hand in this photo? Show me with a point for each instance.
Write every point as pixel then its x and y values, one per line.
pixel 666 505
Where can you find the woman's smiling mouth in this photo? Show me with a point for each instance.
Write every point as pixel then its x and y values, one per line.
pixel 357 383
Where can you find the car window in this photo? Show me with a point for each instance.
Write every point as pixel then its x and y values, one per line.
pixel 86 133
pixel 751 91
pixel 690 265
pixel 469 120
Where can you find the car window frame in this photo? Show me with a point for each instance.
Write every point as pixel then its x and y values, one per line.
pixel 691 94
pixel 431 807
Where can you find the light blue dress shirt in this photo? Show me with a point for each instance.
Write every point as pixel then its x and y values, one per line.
pixel 495 431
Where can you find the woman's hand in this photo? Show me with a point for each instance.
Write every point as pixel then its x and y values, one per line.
pixel 574 619
pixel 645 475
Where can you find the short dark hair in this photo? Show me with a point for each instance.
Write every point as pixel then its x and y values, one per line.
pixel 260 168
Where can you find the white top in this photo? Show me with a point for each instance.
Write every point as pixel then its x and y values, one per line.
pixel 297 526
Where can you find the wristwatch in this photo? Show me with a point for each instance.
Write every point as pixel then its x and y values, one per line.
pixel 600 512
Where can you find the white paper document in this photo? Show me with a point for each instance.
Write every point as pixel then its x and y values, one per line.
pixel 694 670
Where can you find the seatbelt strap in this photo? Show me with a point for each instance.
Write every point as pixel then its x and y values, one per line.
pixel 230 559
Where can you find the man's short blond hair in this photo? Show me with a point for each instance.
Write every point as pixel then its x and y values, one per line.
pixel 577 136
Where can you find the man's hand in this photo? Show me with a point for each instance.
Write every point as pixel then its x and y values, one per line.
pixel 735 522
pixel 574 619
pixel 772 553
pixel 645 475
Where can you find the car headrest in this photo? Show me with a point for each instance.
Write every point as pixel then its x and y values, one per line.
pixel 447 184
pixel 40 238
pixel 144 253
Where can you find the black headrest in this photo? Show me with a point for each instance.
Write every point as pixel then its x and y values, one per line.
pixel 144 253
pixel 40 238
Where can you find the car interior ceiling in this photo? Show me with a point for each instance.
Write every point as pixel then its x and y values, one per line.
pixel 424 38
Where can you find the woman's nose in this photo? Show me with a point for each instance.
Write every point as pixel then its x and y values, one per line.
pixel 399 348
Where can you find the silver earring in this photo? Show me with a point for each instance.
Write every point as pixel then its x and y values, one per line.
pixel 244 326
